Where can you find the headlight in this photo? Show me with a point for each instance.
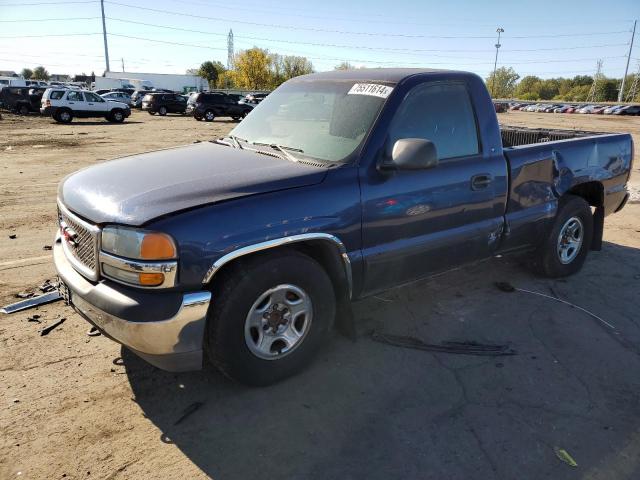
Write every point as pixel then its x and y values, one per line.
pixel 138 244
pixel 154 257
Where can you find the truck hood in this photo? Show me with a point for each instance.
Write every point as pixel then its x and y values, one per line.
pixel 139 188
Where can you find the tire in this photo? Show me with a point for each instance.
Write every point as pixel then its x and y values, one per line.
pixel 236 119
pixel 23 110
pixel 63 116
pixel 197 118
pixel 162 111
pixel 209 116
pixel 116 116
pixel 151 113
pixel 232 340
pixel 561 254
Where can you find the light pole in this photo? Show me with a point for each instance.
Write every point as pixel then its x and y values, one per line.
pixel 495 63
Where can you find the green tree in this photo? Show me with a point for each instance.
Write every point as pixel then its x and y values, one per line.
pixel 26 73
pixel 209 72
pixel 294 66
pixel 525 89
pixel 40 73
pixel 502 84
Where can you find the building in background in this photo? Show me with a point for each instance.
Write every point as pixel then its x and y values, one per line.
pixel 169 81
pixel 59 77
pixel 8 73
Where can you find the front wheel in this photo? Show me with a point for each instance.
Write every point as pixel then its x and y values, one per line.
pixel 116 116
pixel 63 116
pixel 162 111
pixel 271 316
pixel 209 116
pixel 565 249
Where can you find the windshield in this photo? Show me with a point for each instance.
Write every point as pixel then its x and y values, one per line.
pixel 326 120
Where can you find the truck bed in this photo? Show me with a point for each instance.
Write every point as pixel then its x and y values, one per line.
pixel 517 136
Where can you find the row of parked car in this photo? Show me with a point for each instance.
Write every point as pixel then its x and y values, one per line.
pixel 574 108
pixel 63 103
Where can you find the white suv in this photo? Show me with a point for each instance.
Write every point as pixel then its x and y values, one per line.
pixel 64 104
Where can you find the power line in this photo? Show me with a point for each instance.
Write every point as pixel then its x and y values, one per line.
pixel 46 3
pixel 414 51
pixel 376 34
pixel 48 19
pixel 51 35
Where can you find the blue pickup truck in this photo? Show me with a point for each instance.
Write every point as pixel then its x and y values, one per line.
pixel 241 251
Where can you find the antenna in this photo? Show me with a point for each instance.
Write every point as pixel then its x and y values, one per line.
pixel 592 93
pixel 230 51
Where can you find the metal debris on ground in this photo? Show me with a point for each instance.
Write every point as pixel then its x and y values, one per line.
pixel 563 455
pixel 48 286
pixel 49 328
pixel 462 348
pixel 13 236
pixel 31 302
pixel 188 411
pixel 507 287
pixel 47 247
pixel 34 318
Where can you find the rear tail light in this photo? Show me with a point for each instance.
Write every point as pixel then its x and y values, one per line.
pixel 47 103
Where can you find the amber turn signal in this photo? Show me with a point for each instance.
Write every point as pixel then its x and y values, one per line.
pixel 157 246
pixel 150 279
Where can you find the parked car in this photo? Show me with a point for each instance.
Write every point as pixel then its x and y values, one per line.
pixel 65 104
pixel 255 98
pixel 563 109
pixel 136 98
pixel 587 109
pixel 610 110
pixel 628 110
pixel 36 83
pixel 102 91
pixel 243 250
pixel 599 110
pixel 21 100
pixel 208 106
pixel 500 107
pixel 123 97
pixel 163 103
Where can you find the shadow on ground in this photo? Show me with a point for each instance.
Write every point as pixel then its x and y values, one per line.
pixel 369 410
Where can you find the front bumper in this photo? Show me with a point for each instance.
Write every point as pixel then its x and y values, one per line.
pixel 164 328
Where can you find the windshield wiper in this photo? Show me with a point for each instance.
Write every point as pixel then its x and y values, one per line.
pixel 236 141
pixel 285 150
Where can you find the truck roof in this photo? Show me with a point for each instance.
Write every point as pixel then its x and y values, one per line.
pixel 392 75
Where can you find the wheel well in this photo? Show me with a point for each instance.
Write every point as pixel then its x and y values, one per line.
pixel 592 192
pixel 322 251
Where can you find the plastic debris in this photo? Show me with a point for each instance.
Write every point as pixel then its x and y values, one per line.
pixel 462 348
pixel 31 302
pixel 563 455
pixel 188 411
pixel 49 328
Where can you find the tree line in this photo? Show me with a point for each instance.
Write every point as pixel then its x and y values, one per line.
pixel 254 69
pixel 506 83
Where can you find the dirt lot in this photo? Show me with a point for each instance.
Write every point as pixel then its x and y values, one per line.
pixel 75 406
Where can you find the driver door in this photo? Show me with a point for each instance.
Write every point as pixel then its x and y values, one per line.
pixel 418 222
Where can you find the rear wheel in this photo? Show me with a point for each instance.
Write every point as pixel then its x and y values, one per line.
pixel 162 111
pixel 272 314
pixel 565 249
pixel 209 116
pixel 197 118
pixel 151 113
pixel 23 110
pixel 63 116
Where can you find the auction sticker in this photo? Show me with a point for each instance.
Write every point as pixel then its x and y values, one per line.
pixel 372 89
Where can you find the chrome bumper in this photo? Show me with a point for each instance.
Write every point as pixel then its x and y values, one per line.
pixel 173 343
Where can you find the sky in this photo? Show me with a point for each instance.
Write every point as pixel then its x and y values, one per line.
pixel 545 38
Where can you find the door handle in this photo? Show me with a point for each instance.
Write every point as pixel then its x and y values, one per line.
pixel 478 182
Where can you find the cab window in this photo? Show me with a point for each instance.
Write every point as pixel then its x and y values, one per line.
pixel 441 113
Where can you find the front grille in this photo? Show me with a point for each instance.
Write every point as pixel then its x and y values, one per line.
pixel 80 242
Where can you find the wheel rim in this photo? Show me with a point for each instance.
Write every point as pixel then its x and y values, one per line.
pixel 278 322
pixel 118 116
pixel 570 240
pixel 64 116
pixel 209 116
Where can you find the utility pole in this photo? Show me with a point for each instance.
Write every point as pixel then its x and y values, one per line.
pixel 495 63
pixel 104 34
pixel 122 60
pixel 626 70
pixel 633 91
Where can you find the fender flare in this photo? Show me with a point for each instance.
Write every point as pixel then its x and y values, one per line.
pixel 279 242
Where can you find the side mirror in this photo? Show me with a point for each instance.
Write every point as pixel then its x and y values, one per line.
pixel 413 154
